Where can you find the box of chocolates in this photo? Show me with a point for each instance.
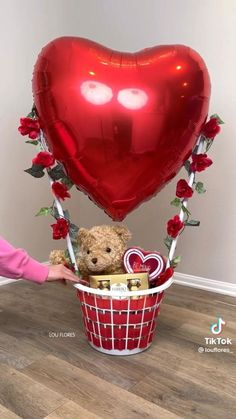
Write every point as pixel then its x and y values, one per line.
pixel 120 282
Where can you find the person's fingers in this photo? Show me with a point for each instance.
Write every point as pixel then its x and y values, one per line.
pixel 64 273
pixel 67 274
pixel 60 272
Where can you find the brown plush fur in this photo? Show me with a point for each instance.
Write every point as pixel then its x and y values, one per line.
pixel 101 250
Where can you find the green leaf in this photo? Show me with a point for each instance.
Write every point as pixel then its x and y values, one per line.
pixel 73 230
pixel 67 182
pixel 37 167
pixel 192 223
pixel 44 211
pixel 209 143
pixel 66 214
pixel 33 142
pixel 36 171
pixel 55 212
pixel 75 246
pixel 34 174
pixel 195 150
pixel 167 241
pixel 56 215
pixel 175 261
pixel 187 166
pixel 219 120
pixel 67 254
pixel 57 172
pixel 185 210
pixel 176 202
pixel 77 273
pixel 199 187
pixel 33 113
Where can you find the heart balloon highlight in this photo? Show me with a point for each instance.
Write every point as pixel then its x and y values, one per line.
pixel 122 124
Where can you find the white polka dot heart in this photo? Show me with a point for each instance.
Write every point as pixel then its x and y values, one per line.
pixel 136 259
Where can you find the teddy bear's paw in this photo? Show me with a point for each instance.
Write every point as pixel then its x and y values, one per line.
pixel 57 256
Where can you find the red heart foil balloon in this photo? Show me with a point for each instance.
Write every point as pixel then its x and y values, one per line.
pixel 137 260
pixel 122 124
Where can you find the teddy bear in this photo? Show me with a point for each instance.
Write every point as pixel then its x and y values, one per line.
pixel 101 250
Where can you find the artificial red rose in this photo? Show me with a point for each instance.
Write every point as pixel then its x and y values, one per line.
pixel 30 127
pixel 44 159
pixel 60 229
pixel 60 190
pixel 165 276
pixel 174 226
pixel 183 190
pixel 211 128
pixel 200 162
pixel 162 278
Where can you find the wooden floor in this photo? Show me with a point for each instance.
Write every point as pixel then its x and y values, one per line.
pixel 62 377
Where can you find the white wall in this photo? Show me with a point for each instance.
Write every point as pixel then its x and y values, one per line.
pixel 209 26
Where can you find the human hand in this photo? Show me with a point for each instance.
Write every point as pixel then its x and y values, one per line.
pixel 61 273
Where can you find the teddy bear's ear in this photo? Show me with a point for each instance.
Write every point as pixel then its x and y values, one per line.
pixel 82 234
pixel 123 232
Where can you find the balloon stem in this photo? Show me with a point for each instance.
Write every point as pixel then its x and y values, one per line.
pixel 198 150
pixel 58 205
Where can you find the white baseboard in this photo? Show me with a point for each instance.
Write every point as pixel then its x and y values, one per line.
pixel 4 281
pixel 220 287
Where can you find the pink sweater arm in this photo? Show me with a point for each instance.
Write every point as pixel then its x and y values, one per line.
pixel 16 263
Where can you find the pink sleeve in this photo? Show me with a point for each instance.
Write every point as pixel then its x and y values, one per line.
pixel 16 263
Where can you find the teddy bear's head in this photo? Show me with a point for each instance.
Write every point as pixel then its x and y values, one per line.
pixel 102 249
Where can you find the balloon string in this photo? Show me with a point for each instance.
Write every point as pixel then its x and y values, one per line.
pixel 198 150
pixel 59 208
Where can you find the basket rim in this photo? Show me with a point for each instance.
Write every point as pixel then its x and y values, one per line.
pixel 119 294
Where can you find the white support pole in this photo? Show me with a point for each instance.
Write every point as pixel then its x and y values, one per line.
pixel 68 239
pixel 59 208
pixel 198 150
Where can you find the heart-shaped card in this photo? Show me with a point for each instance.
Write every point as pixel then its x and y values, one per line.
pixel 136 259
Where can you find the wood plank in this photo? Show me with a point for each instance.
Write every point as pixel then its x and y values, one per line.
pixel 19 321
pixel 7 414
pixel 187 350
pixel 17 353
pixel 181 319
pixel 176 393
pixel 96 395
pixel 201 301
pixel 71 410
pixel 26 397
pixel 185 326
pixel 190 364
pixel 80 354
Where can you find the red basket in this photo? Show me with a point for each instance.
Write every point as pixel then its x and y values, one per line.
pixel 121 324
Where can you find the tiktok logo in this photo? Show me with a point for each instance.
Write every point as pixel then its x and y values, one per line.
pixel 216 328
